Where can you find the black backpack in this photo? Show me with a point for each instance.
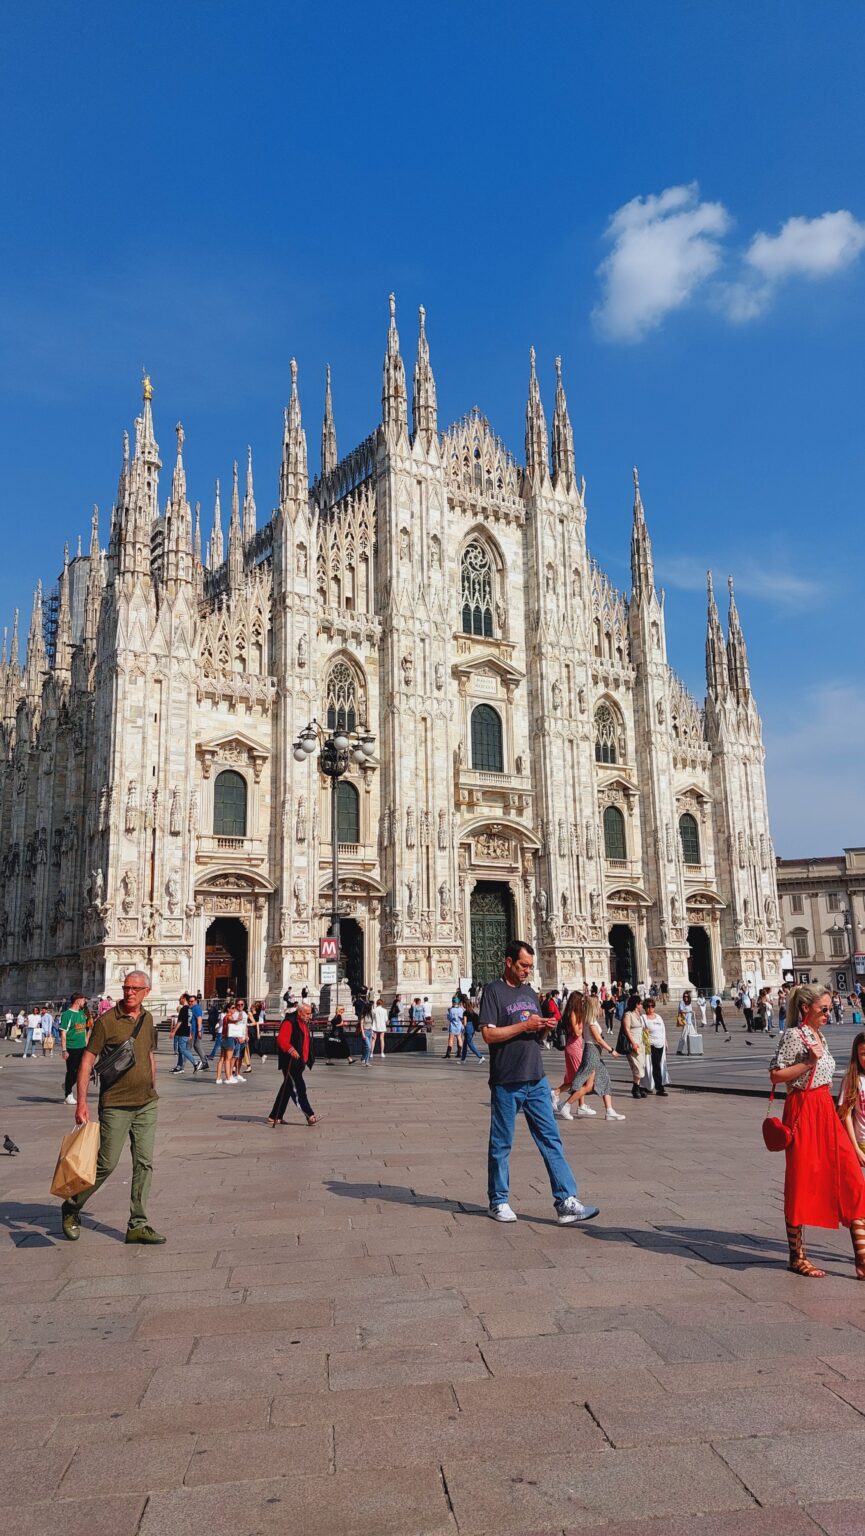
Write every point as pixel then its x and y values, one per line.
pixel 559 1036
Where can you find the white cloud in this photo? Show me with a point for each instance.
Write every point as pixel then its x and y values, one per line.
pixel 664 247
pixel 667 249
pixel 814 754
pixel 763 577
pixel 812 248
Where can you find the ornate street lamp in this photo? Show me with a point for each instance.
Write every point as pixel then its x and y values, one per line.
pixel 336 752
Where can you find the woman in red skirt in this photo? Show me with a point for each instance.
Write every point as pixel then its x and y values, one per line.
pixel 823 1184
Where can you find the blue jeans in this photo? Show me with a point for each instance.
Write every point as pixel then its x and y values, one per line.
pixel 469 1043
pixel 366 1047
pixel 29 1046
pixel 183 1051
pixel 506 1100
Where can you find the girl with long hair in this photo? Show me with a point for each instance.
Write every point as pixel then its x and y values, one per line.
pixel 823 1183
pixel 592 1074
pixel 851 1099
pixel 574 1047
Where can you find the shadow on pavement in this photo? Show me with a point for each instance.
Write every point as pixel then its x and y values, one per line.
pixel 38 1226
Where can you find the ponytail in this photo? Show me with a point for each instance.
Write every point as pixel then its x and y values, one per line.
pixel 850 1086
pixel 801 999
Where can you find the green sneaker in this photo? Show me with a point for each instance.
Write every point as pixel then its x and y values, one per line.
pixel 143 1235
pixel 71 1224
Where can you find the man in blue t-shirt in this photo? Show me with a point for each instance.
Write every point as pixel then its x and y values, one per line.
pixel 512 1026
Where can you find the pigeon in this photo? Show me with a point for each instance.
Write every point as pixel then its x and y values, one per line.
pixel 9 1146
pixel 749 1043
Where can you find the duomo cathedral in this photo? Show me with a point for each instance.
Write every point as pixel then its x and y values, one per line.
pixel 538 768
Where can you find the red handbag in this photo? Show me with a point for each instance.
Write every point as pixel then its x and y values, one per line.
pixel 776 1134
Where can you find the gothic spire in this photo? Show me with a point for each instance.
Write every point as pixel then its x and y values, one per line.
pixel 564 467
pixel 123 478
pixel 293 482
pixel 178 482
pixel 423 406
pixel 93 591
pixel 737 655
pixel 537 444
pixel 249 508
pixel 642 563
pixel 717 679
pixel 63 644
pixel 394 408
pixel 215 554
pixel 329 459
pixel 13 648
pixel 37 662
pixel 235 538
pixel 196 548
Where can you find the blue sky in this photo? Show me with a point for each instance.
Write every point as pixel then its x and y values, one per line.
pixel 208 190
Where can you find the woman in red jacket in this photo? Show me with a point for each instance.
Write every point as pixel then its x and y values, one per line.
pixel 295 1052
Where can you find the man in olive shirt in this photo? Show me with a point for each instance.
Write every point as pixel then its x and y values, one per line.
pixel 126 1109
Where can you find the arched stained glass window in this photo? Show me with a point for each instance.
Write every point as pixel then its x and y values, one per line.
pixel 607 735
pixel 477 590
pixel 229 804
pixel 689 833
pixel 347 813
pixel 487 751
pixel 614 833
pixel 341 698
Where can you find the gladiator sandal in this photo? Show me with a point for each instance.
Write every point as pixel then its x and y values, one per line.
pixel 799 1263
pixel 857 1232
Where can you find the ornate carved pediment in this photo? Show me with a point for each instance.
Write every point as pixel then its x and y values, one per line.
pixel 487 671
pixel 235 749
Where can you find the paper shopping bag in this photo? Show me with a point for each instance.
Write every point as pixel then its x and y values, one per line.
pixel 76 1165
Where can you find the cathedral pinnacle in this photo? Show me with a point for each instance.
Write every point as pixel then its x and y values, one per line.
pixel 537 443
pixel 197 542
pixel 564 467
pixel 13 649
pixel 215 555
pixel 249 508
pixel 178 485
pixel 235 537
pixel 328 430
pixel 36 663
pixel 424 405
pixel 642 562
pixel 394 406
pixel 293 482
pixel 717 680
pixel 737 655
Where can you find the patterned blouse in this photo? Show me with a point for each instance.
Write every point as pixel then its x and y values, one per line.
pixel 792 1050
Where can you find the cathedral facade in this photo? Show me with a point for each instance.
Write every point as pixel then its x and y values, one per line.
pixel 539 770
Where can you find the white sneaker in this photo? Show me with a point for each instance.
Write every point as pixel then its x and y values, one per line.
pixel 70 1099
pixel 565 1113
pixel 263 1060
pixel 220 1082
pixel 502 1213
pixel 613 1114
pixel 481 1060
pixel 589 1111
pixel 554 1099
pixel 582 1112
pixel 571 1211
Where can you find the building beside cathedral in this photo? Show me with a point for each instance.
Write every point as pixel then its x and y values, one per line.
pixel 539 769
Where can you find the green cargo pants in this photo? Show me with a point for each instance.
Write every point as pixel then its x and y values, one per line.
pixel 114 1127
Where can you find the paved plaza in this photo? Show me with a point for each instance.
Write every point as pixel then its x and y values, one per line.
pixel 335 1341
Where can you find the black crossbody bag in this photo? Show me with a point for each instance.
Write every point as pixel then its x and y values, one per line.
pixel 117 1060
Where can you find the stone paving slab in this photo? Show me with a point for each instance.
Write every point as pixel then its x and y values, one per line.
pixel 336 1340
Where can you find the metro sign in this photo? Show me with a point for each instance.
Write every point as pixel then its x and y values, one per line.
pixel 328 949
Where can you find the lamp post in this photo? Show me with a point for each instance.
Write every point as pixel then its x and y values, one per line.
pixel 848 929
pixel 337 750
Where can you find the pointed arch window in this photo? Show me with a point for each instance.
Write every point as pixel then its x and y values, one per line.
pixel 689 834
pixel 341 712
pixel 609 736
pixel 487 749
pixel 614 833
pixel 229 804
pixel 477 590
